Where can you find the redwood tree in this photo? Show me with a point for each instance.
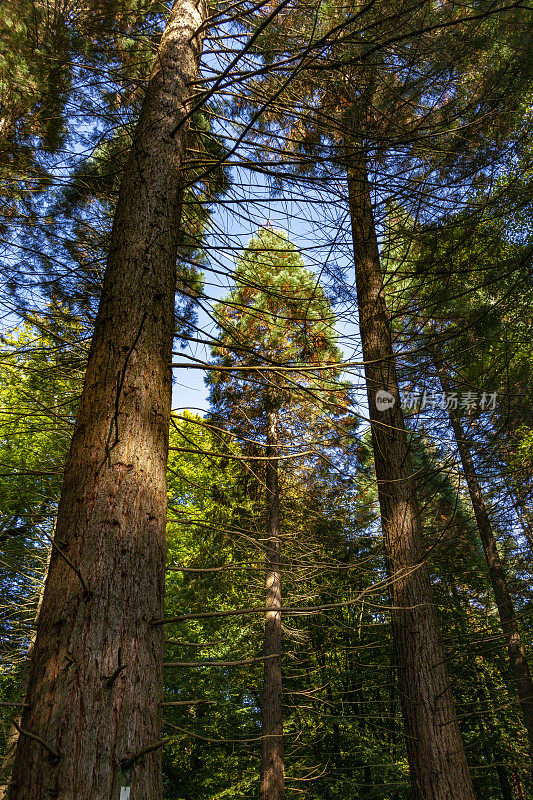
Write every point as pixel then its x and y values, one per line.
pixel 436 755
pixel 277 318
pixel 95 679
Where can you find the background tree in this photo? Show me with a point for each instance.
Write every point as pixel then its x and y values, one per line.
pixel 288 318
pixel 457 355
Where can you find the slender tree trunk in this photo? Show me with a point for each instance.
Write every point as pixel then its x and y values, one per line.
pixel 518 786
pixel 272 762
pixel 95 682
pixel 497 750
pixel 520 792
pixel 503 780
pixel 333 707
pixel 13 734
pixel 435 750
pixel 498 579
pixel 524 514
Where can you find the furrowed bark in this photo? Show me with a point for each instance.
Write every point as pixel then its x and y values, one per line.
pixel 437 761
pixel 498 579
pixel 272 762
pixel 112 511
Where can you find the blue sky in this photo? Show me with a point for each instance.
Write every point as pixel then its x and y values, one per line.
pixel 312 223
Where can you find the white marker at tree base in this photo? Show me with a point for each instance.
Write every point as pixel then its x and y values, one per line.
pixel 124 781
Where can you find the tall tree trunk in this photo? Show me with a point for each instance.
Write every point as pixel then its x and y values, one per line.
pixel 504 602
pixel 95 682
pixel 272 762
pixel 435 749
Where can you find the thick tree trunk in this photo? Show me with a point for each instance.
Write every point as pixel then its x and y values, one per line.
pixel 435 750
pixel 112 512
pixel 504 602
pixel 272 762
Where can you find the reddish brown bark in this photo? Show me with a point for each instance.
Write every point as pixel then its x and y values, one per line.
pixel 112 512
pixel 437 761
pixel 498 579
pixel 272 762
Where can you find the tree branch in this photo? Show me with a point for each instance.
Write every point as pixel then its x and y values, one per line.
pixel 54 755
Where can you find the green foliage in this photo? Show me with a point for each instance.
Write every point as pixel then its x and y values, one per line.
pixel 210 527
pixel 329 659
pixel 41 365
pixel 277 316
